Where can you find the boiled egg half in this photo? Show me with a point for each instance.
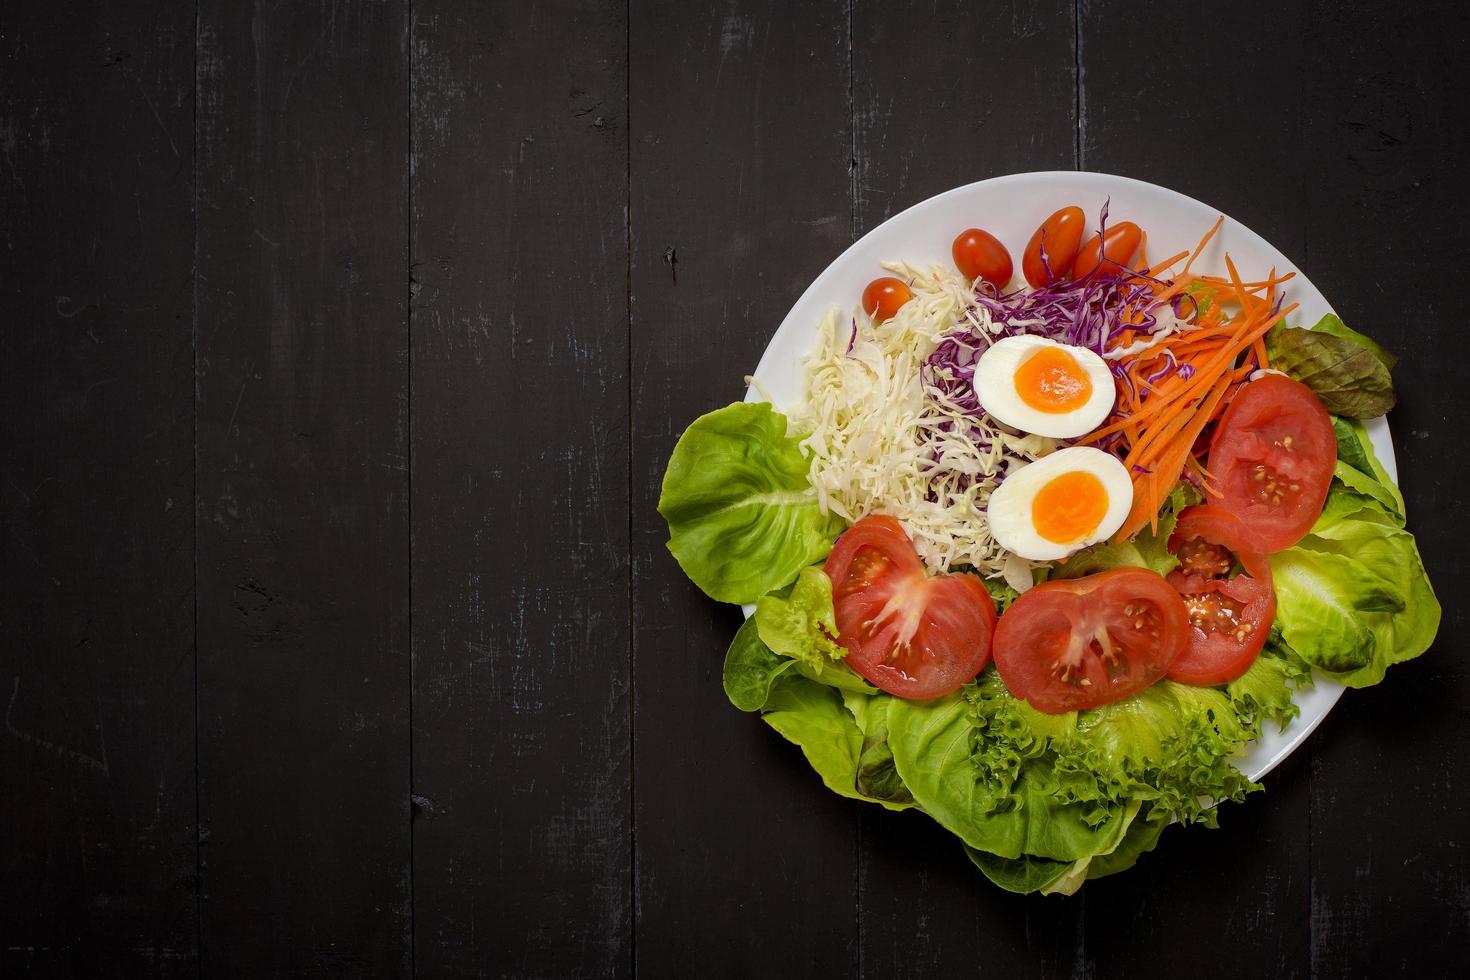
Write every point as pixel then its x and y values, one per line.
pixel 1043 387
pixel 1050 508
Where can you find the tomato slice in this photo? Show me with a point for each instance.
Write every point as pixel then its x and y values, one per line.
pixel 1229 617
pixel 1273 454
pixel 1078 643
pixel 908 634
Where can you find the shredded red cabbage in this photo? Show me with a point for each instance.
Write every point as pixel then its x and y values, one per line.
pixel 1090 312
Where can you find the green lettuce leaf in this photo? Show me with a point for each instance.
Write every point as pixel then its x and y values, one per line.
pixel 1352 597
pixel 1349 378
pixel 1264 691
pixel 877 776
pixel 932 746
pixel 802 624
pixel 751 668
pixel 1021 875
pixel 1033 874
pixel 813 717
pixel 742 518
pixel 1369 477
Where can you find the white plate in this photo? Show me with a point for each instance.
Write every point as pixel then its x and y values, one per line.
pixel 1010 208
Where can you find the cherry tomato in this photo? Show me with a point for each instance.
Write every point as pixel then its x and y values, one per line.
pixel 1229 616
pixel 1113 250
pixel 884 296
pixel 1059 235
pixel 980 255
pixel 910 635
pixel 1071 644
pixel 1272 454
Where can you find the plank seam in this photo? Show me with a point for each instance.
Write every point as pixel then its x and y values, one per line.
pixel 854 189
pixel 413 964
pixel 194 356
pixel 632 605
pixel 1079 97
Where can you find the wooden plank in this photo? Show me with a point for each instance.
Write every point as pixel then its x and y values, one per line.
pixel 740 156
pixel 96 458
pixel 522 842
pixel 1254 869
pixel 302 138
pixel 995 96
pixel 1386 198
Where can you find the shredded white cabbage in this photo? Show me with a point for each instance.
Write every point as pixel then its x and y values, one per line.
pixel 877 433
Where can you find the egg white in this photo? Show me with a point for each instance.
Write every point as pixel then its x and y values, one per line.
pixel 1009 511
pixel 995 386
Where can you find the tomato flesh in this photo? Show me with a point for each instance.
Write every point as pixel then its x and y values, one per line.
pixel 884 295
pixel 1058 237
pixel 906 633
pixel 980 255
pixel 1272 454
pixel 1072 644
pixel 1109 253
pixel 1229 617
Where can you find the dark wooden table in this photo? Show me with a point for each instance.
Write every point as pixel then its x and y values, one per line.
pixel 342 346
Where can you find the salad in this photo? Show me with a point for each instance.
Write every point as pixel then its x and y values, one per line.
pixel 1042 549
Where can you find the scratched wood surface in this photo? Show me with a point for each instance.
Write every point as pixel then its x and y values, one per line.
pixel 342 347
pixel 302 488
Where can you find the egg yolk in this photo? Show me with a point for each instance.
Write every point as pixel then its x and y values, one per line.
pixel 1052 381
pixel 1069 507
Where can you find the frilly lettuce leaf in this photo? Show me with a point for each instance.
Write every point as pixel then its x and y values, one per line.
pixel 1044 802
pixel 802 624
pixel 960 776
pixel 742 518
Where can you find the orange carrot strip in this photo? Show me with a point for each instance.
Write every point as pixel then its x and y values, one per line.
pixel 1203 242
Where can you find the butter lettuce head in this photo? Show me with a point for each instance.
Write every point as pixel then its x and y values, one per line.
pixel 742 518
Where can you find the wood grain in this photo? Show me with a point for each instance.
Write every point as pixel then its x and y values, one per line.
pixel 1252 876
pixel 740 150
pixel 996 96
pixel 522 839
pixel 303 488
pixel 1389 848
pixel 342 348
pixel 96 476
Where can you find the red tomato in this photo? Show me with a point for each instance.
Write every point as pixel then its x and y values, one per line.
pixel 1113 250
pixel 980 255
pixel 1229 618
pixel 1273 454
pixel 910 635
pixel 884 295
pixel 1060 235
pixel 1078 643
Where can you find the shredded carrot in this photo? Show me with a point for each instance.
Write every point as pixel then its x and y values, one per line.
pixel 1203 242
pixel 1156 424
